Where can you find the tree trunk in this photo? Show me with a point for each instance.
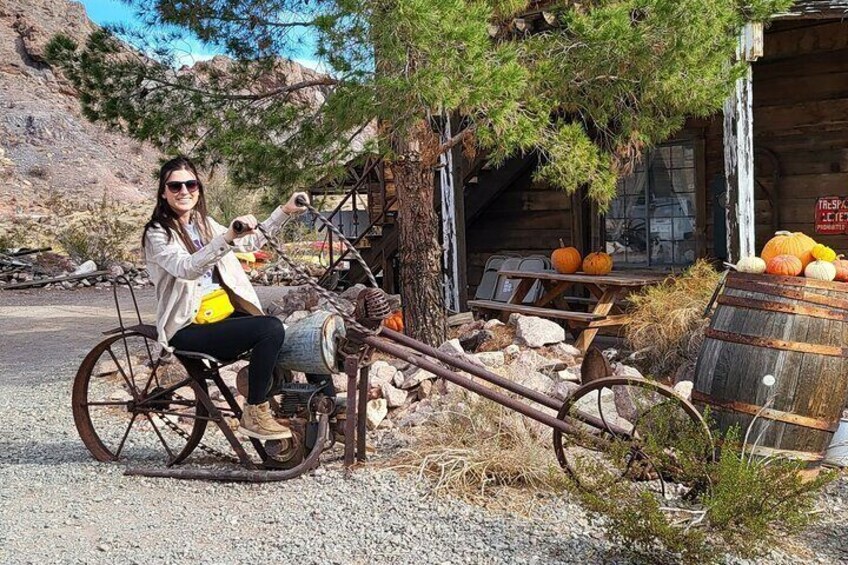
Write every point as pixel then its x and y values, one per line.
pixel 420 253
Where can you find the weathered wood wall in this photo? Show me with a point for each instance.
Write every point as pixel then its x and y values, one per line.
pixel 527 218
pixel 800 127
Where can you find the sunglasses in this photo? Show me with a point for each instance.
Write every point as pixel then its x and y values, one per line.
pixel 176 186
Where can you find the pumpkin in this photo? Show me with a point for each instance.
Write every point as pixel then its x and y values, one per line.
pixel 566 260
pixel 753 265
pixel 841 269
pixel 823 253
pixel 395 321
pixel 787 243
pixel 598 263
pixel 787 265
pixel 821 270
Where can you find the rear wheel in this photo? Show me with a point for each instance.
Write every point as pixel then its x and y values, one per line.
pixel 128 405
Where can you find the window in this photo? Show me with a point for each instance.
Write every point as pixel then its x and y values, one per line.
pixel 652 220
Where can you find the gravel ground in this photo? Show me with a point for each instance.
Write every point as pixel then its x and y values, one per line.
pixel 59 506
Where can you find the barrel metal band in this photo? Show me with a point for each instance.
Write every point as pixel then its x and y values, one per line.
pixel 767 413
pixel 772 306
pixel 808 456
pixel 792 281
pixel 773 343
pixel 796 293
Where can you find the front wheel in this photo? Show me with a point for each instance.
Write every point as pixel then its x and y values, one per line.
pixel 128 405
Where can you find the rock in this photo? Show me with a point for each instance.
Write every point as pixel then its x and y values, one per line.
pixel 492 324
pixel 340 382
pixel 394 397
pixel 622 370
pixel 563 389
pixel 511 349
pixel 470 327
pixel 375 412
pixel 87 267
pixel 352 293
pixel 535 380
pixel 399 379
pixel 116 271
pixel 120 396
pixel 425 389
pixel 491 358
pixel 346 306
pixel 684 389
pixel 625 406
pixel 452 347
pixel 399 364
pixel 685 372
pixel 381 373
pixel 422 413
pixel 529 361
pixel 416 377
pixel 566 349
pixel 537 332
pixel 286 300
pixel 572 374
pixel 474 340
pixel 297 316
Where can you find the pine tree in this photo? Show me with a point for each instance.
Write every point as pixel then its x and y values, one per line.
pixel 589 90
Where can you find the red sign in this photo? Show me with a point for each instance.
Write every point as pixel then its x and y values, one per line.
pixel 832 215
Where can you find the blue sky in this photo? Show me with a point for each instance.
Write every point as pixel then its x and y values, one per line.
pixel 189 50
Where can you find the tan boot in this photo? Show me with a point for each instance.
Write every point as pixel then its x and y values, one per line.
pixel 258 422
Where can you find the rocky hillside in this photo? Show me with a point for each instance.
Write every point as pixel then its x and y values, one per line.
pixel 48 151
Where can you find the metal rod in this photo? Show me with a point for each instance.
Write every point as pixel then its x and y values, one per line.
pixel 350 422
pixel 361 422
pixel 493 395
pixel 475 370
pixel 246 475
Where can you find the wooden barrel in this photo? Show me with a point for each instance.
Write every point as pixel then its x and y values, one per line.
pixel 793 328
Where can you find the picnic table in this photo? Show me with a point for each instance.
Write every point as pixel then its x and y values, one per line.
pixel 607 290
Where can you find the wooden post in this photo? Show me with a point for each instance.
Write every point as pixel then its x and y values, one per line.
pixel 739 150
pixel 453 227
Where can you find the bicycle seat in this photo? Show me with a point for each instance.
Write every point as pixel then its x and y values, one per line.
pixel 212 360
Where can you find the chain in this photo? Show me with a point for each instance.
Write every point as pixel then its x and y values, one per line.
pixel 305 276
pixel 186 436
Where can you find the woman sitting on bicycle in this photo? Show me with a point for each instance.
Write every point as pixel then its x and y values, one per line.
pixel 205 302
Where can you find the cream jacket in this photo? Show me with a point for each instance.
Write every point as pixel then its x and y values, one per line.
pixel 176 273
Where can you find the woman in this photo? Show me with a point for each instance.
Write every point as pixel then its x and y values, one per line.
pixel 189 258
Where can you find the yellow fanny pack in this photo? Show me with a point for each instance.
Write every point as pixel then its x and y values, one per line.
pixel 214 307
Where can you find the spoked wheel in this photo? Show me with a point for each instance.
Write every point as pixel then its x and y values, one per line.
pixel 129 406
pixel 632 429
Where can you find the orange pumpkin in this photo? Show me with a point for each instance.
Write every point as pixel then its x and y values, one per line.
pixel 566 260
pixel 598 263
pixel 395 321
pixel 787 243
pixel 786 265
pixel 841 269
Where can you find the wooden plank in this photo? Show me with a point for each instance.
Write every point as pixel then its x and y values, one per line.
pixel 620 279
pixel 39 282
pixel 508 220
pixel 804 118
pixel 601 310
pixel 785 91
pixel 540 241
pixel 532 310
pixel 799 66
pixel 819 38
pixel 532 200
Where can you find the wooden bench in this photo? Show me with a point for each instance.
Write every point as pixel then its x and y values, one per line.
pixel 533 310
pixel 609 293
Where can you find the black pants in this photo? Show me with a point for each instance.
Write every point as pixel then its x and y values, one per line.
pixel 227 339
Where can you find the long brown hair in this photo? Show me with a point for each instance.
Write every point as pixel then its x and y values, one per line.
pixel 164 216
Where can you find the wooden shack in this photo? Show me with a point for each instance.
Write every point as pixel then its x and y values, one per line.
pixel 776 158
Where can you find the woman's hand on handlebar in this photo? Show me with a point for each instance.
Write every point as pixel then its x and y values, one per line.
pixel 292 208
pixel 240 227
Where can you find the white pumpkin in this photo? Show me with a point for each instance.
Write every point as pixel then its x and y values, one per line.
pixel 752 264
pixel 821 270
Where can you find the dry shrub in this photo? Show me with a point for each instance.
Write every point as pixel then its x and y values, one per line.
pixel 667 322
pixel 483 453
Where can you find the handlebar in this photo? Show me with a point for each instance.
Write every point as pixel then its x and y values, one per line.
pixel 239 226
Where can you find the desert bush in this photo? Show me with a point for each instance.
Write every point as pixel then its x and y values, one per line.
pixel 667 323
pixel 740 505
pixel 225 201
pixel 103 231
pixel 482 452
